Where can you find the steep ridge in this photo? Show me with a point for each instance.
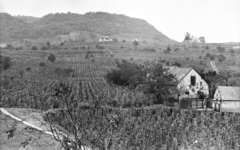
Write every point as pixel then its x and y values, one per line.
pixel 17 28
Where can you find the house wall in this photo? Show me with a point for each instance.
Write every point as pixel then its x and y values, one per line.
pixel 225 105
pixel 231 106
pixel 185 84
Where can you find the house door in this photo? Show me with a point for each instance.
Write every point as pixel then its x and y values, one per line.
pixel 217 106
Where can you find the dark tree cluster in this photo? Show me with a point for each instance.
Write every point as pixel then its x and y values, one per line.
pixel 150 78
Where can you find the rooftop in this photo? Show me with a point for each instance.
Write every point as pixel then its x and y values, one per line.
pixel 179 72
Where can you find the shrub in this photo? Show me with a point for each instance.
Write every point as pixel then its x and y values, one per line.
pixel 19 48
pixel 48 44
pixel 135 42
pixel 89 55
pixel 28 69
pixel 124 41
pixel 221 49
pixel 121 47
pixel 152 50
pixel 34 48
pixel 51 57
pixel 5 63
pixel 64 72
pixel 185 103
pixel 231 51
pixel 171 101
pixel 100 47
pixel 115 39
pixel 207 47
pixel 208 55
pixel 42 64
pixel 221 58
pixel 44 48
pixel 176 49
pixel 168 50
pixel 212 57
pixel 83 47
pixel 9 46
pixel 177 64
pixel 195 46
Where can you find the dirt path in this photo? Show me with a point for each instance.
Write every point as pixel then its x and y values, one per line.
pixel 31 118
pixel 38 141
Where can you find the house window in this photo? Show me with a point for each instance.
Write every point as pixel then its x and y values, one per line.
pixel 193 80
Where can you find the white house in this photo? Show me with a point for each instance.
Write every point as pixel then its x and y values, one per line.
pixel 105 39
pixel 227 99
pixel 3 45
pixel 236 47
pixel 189 81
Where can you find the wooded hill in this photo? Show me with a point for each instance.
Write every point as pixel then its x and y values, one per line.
pixel 26 27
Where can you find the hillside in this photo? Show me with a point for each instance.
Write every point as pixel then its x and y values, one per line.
pixel 12 28
pixel 51 25
pixel 28 19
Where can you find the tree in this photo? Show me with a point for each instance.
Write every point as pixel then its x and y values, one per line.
pixel 158 81
pixel 48 44
pixel 5 63
pixel 221 49
pixel 44 48
pixel 89 55
pixel 51 57
pixel 150 78
pixel 187 37
pixel 135 42
pixel 34 48
pixel 202 39
pixel 232 51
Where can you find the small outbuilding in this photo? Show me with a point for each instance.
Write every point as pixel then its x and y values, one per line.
pixel 227 99
pixel 105 39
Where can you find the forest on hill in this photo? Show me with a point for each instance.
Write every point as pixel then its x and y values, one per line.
pixel 25 27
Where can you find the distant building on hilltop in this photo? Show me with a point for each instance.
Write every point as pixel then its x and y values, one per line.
pixel 135 40
pixel 236 47
pixel 3 45
pixel 105 39
pixel 189 81
pixel 227 99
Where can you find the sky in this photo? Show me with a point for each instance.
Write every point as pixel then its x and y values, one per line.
pixel 216 20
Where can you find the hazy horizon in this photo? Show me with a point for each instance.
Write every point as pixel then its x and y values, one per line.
pixel 217 20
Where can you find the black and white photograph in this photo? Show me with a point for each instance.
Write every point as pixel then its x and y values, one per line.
pixel 119 74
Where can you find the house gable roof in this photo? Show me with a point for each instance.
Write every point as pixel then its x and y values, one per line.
pixel 229 92
pixel 180 73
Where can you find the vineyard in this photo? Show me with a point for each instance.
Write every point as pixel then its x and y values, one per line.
pixel 28 84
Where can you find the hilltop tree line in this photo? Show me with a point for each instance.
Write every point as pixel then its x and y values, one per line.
pixel 189 37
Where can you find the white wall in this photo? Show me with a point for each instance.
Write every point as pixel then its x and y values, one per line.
pixel 231 106
pixel 186 81
pixel 227 106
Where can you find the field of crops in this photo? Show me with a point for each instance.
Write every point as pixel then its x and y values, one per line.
pixel 29 84
pixel 26 82
pixel 157 128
